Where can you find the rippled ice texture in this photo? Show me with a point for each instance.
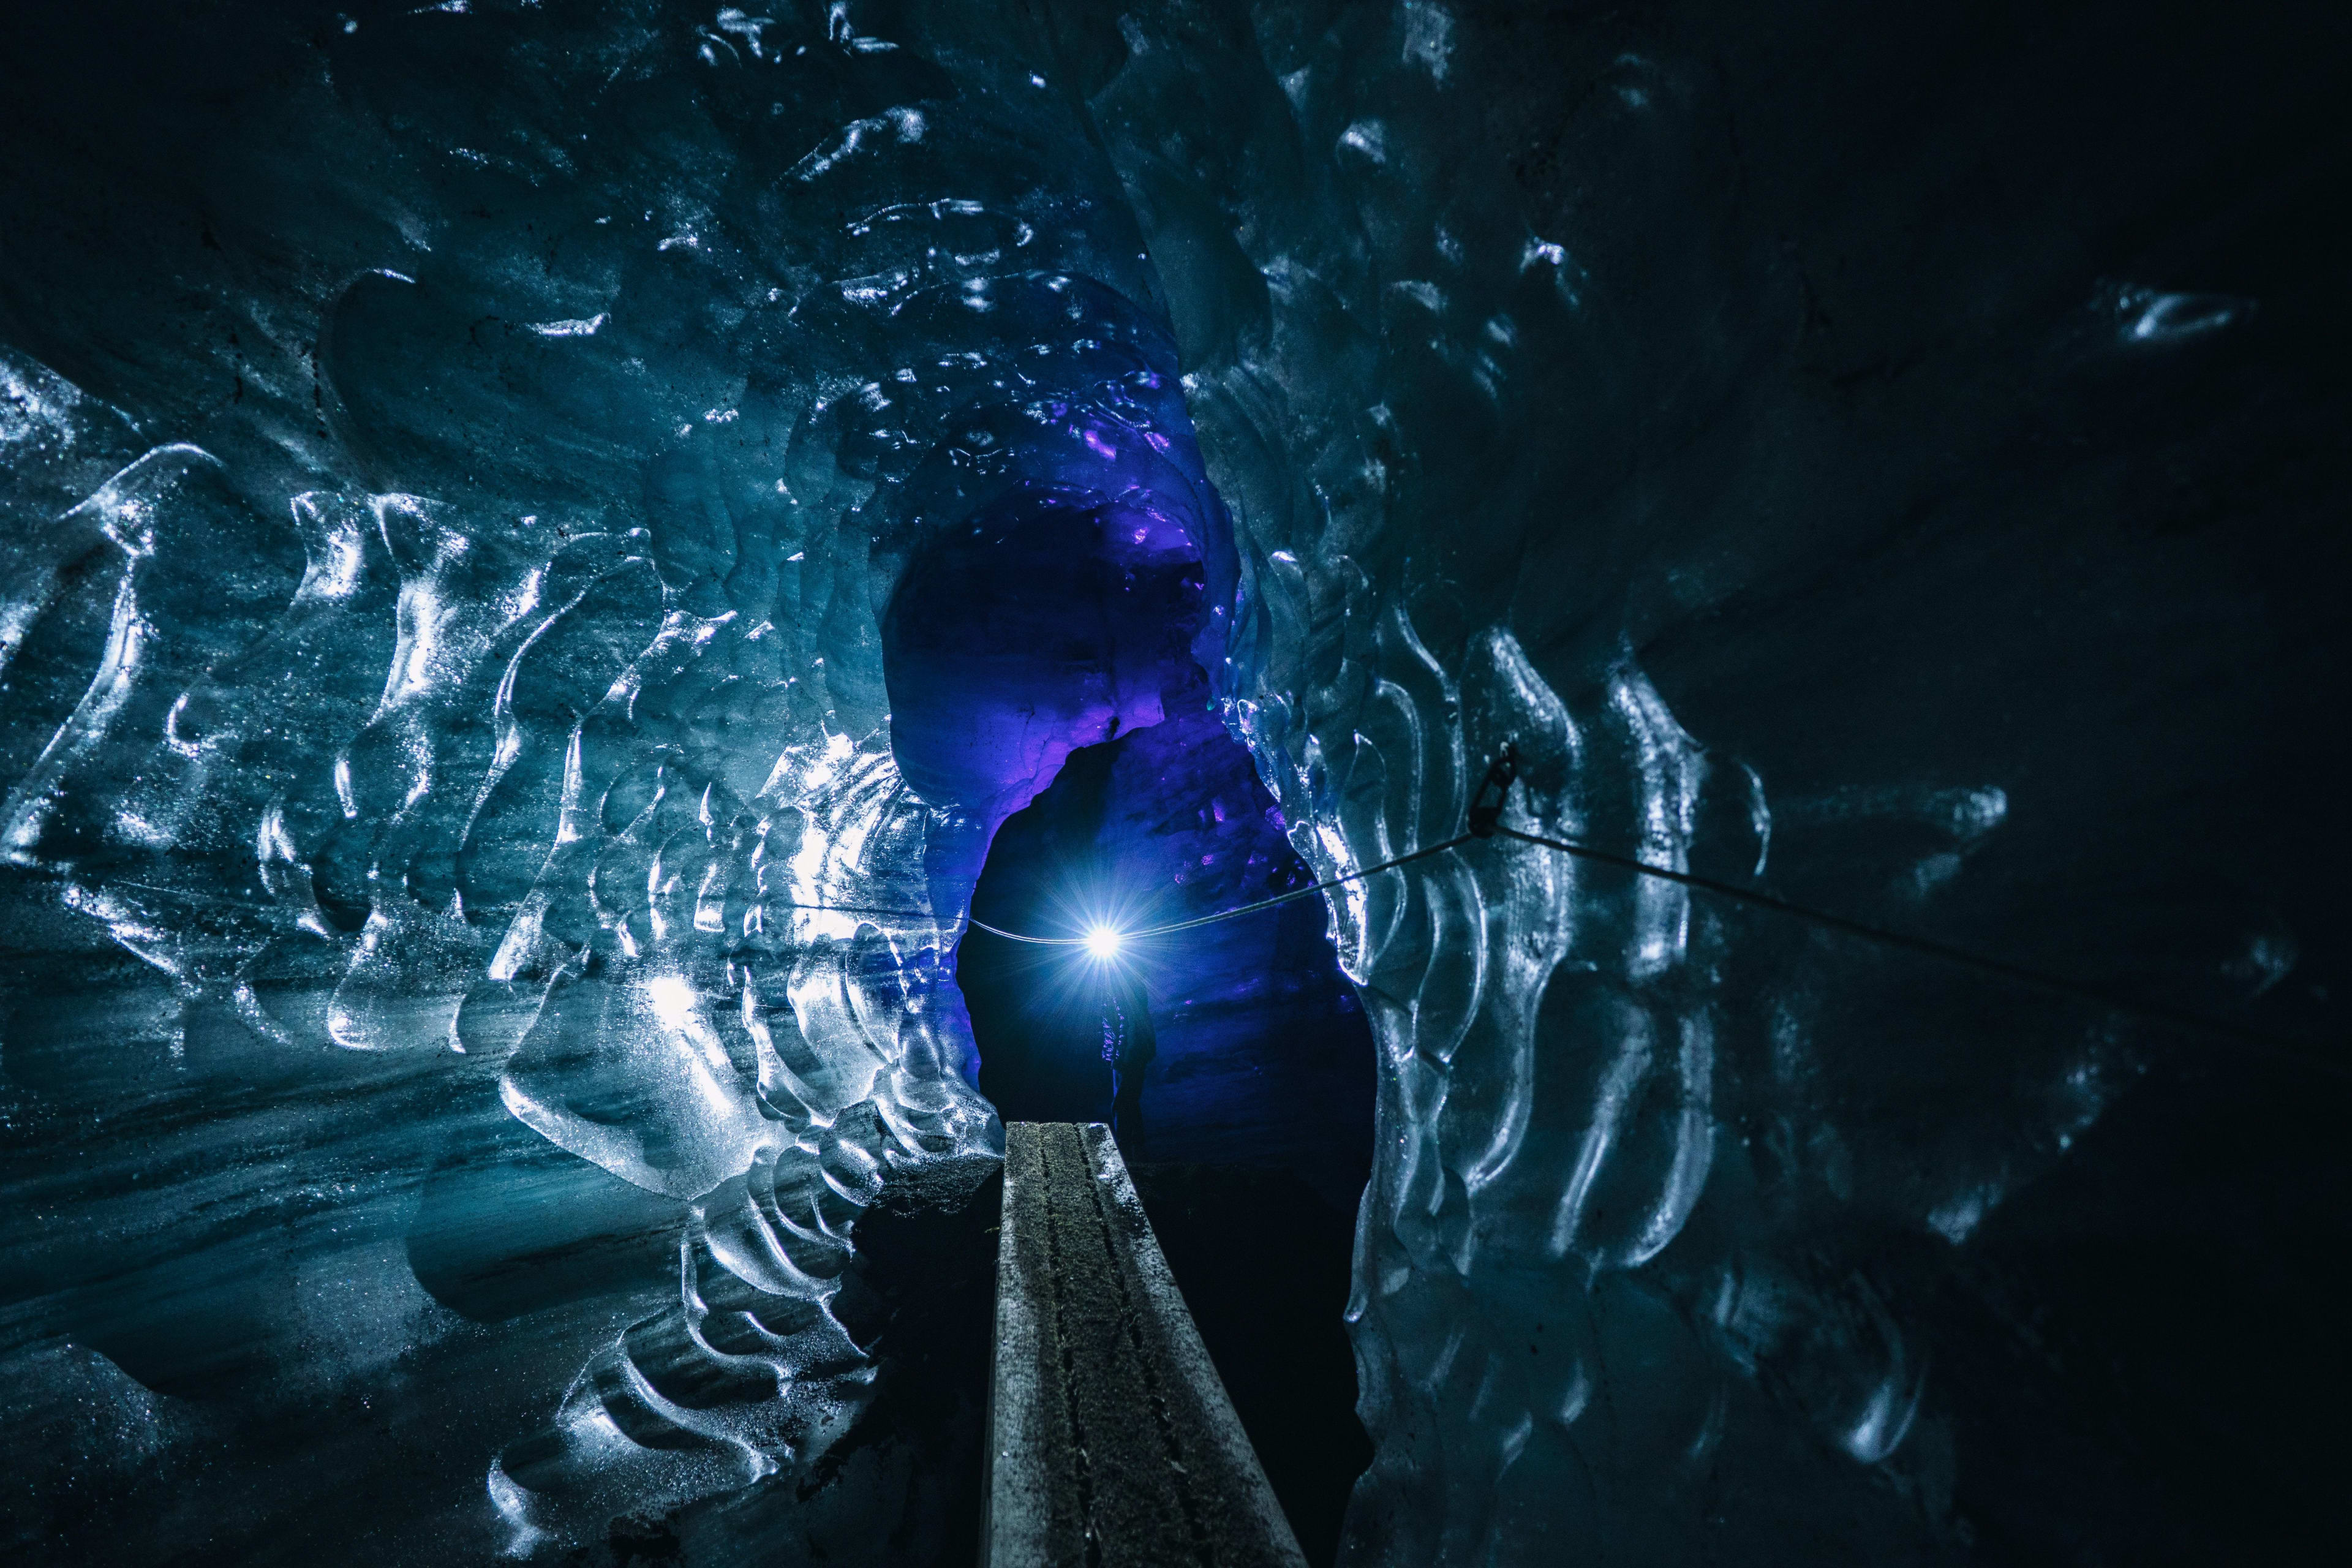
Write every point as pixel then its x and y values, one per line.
pixel 1621 1279
pixel 498 682
pixel 444 631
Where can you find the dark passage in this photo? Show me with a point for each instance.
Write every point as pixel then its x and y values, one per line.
pixel 1264 1057
pixel 1258 1102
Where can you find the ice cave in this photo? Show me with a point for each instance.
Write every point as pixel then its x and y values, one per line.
pixel 1635 699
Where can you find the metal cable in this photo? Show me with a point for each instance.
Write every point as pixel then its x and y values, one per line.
pixel 1232 914
pixel 2177 1018
pixel 1485 822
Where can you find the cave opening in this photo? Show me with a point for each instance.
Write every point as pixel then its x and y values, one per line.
pixel 1041 659
pixel 1044 658
pixel 1263 1054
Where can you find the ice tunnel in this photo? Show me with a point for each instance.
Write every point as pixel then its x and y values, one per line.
pixel 568 572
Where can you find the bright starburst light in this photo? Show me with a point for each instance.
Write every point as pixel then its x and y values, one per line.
pixel 1102 942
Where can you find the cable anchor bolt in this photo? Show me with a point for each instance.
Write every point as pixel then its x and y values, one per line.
pixel 1485 814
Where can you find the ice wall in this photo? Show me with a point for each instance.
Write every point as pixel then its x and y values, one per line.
pixel 458 461
pixel 1675 395
pixel 447 547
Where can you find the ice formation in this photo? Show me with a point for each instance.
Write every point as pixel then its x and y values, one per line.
pixel 487 613
pixel 542 733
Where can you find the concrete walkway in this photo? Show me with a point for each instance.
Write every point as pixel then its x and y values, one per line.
pixel 1111 1441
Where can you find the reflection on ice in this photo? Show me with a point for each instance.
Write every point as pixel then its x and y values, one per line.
pixel 511 706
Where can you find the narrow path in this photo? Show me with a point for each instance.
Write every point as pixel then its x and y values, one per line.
pixel 1111 1440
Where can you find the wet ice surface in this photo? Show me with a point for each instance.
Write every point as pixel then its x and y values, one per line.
pixel 474 956
pixel 471 758
pixel 1555 406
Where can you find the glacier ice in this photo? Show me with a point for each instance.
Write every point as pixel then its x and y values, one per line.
pixel 514 520
pixel 535 737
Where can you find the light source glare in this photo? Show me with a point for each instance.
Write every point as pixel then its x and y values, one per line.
pixel 1102 941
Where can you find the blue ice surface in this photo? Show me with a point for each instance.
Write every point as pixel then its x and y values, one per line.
pixel 540 545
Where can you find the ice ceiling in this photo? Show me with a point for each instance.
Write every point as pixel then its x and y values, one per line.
pixel 542 539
